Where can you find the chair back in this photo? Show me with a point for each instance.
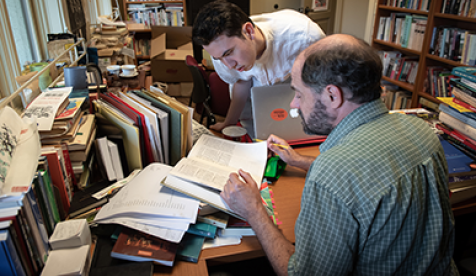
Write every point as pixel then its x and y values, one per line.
pixel 220 94
pixel 200 92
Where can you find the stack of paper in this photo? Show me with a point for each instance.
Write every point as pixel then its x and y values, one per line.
pixel 145 205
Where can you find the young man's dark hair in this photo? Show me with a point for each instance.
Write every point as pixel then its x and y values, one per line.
pixel 217 18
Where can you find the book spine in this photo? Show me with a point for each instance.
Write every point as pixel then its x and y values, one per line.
pixel 463 74
pixel 458 136
pixel 458 125
pixel 20 250
pixel 10 256
pixel 460 116
pixel 465 105
pixel 43 204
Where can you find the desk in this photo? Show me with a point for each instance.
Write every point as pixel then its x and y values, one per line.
pixel 287 195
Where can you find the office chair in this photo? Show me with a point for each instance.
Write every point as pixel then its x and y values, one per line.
pixel 210 93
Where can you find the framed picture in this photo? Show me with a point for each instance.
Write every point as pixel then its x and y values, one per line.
pixel 319 5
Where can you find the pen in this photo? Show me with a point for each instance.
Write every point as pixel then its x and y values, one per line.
pixel 278 145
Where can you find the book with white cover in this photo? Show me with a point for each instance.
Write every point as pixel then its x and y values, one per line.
pixel 116 160
pixel 106 158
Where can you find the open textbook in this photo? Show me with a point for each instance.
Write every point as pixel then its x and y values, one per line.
pixel 204 173
pixel 212 159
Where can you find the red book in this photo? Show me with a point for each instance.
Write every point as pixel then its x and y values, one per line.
pixel 465 105
pixel 136 246
pixel 458 136
pixel 58 180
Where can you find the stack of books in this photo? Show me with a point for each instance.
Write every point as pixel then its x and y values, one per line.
pixel 458 125
pixel 29 209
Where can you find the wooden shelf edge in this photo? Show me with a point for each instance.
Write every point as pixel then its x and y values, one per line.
pixel 455 17
pixel 403 85
pixel 385 7
pixel 444 60
pixel 397 47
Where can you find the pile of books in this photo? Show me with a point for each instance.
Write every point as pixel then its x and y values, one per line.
pixel 458 125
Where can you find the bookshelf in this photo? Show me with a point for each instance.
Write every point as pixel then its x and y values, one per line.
pixel 423 53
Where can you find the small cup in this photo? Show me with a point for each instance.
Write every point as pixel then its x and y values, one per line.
pixel 128 70
pixel 113 69
pixel 234 133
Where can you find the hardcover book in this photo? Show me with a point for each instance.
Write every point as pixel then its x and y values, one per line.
pixel 465 72
pixel 135 246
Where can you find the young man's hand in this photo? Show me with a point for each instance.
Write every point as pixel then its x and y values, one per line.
pixel 218 126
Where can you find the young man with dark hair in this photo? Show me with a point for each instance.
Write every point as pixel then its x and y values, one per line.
pixel 251 51
pixel 375 201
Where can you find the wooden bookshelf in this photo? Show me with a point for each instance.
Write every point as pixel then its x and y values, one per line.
pixel 425 59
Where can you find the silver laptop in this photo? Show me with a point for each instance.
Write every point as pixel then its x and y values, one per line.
pixel 273 115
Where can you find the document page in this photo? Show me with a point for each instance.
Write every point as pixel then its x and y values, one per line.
pixel 212 159
pixel 145 196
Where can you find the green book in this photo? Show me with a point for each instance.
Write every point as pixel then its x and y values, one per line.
pixel 42 199
pixel 203 229
pixel 50 194
pixel 190 248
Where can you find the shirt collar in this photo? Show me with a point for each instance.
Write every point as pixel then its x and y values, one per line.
pixel 361 115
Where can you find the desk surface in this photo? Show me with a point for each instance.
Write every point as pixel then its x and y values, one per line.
pixel 287 195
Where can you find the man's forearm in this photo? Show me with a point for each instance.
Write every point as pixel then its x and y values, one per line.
pixel 275 245
pixel 241 92
pixel 303 162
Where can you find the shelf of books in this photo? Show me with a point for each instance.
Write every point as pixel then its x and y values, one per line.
pixel 420 42
pixel 428 52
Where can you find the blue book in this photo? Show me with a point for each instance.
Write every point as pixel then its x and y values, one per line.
pixel 458 162
pixel 190 248
pixel 465 72
pixel 10 263
pixel 468 118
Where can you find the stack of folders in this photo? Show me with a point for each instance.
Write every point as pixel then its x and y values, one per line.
pixel 154 127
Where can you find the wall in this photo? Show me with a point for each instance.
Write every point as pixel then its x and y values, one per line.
pixel 354 17
pixel 263 6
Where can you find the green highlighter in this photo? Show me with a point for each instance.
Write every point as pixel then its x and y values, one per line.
pixel 274 168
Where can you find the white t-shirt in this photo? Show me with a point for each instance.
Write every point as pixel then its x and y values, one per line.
pixel 287 33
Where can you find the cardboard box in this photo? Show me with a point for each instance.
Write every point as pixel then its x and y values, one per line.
pixel 169 47
pixel 70 234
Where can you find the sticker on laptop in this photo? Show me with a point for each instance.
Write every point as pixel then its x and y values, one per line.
pixel 279 114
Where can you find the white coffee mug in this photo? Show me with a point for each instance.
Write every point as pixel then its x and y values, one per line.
pixel 128 70
pixel 114 69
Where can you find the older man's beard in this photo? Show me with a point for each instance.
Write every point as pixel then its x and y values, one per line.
pixel 318 122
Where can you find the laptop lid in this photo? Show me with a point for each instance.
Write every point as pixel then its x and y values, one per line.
pixel 272 115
